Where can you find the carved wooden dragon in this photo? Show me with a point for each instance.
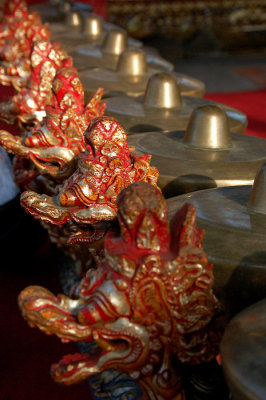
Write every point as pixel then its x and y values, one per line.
pixel 147 306
pixel 19 30
pixel 28 106
pixel 85 205
pixel 50 147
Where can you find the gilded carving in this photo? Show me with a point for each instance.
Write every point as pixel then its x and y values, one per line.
pixel 85 204
pixel 27 107
pixel 21 32
pixel 51 145
pixel 148 307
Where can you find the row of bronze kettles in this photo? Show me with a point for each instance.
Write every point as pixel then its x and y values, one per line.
pixel 203 157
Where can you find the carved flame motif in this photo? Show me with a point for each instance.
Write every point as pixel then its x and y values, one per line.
pixel 27 107
pixel 149 304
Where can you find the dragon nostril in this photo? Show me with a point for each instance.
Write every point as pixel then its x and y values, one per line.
pixel 27 141
pixel 31 139
pixel 67 199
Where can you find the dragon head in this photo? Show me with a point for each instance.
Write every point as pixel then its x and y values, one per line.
pixel 89 196
pixel 85 205
pixel 148 304
pixel 52 145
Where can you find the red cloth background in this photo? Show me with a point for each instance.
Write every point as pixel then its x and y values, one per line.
pixel 99 6
pixel 27 353
pixel 252 103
